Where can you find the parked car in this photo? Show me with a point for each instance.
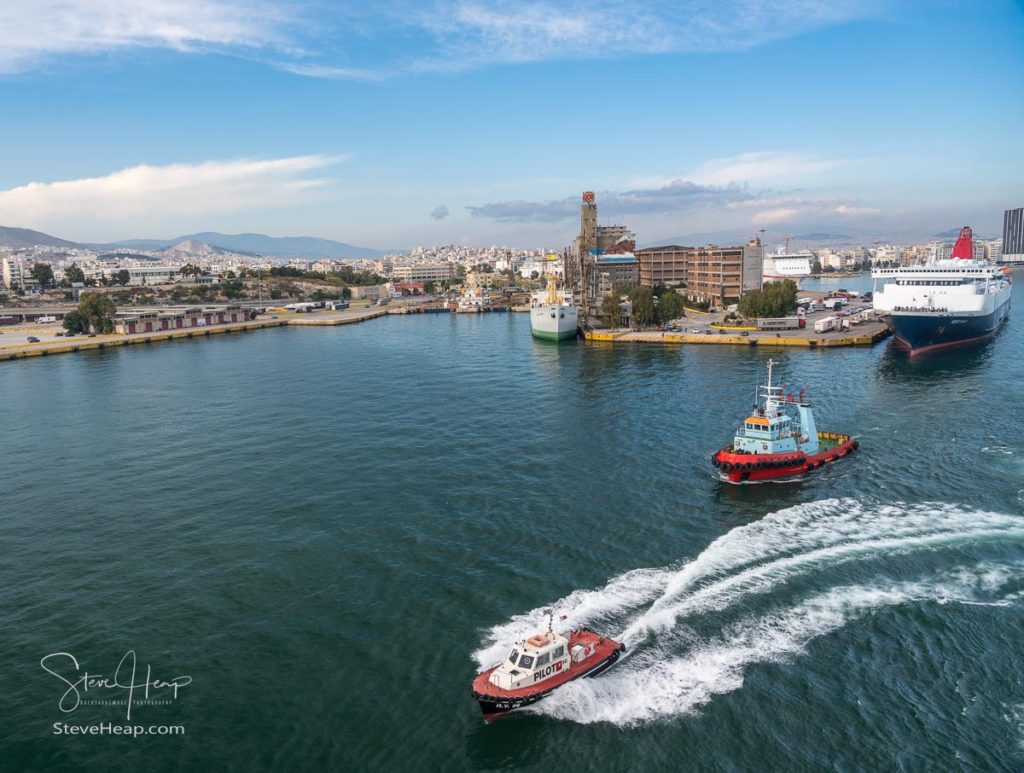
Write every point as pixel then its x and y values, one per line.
pixel 745 333
pixel 33 340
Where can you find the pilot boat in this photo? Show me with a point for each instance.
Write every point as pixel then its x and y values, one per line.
pixel 539 665
pixel 779 440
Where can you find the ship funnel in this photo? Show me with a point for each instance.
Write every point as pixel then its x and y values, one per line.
pixel 964 247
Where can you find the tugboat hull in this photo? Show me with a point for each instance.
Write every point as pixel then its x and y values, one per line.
pixel 752 468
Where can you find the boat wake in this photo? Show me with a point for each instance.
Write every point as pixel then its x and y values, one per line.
pixel 687 629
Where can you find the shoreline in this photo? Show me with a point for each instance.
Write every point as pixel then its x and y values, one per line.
pixel 82 344
pixel 866 337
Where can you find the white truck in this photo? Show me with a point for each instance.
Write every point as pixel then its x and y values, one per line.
pixel 825 325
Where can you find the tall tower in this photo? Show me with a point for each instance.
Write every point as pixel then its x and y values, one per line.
pixel 583 246
pixel 588 224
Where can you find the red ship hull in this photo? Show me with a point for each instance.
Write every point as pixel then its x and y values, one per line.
pixel 495 702
pixel 750 468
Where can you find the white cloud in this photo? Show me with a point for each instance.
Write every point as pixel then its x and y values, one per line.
pixel 786 209
pixel 471 33
pixel 773 167
pixel 37 30
pixel 149 194
pixel 331 73
pixel 324 40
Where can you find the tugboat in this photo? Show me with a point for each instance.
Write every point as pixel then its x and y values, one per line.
pixel 539 665
pixel 779 440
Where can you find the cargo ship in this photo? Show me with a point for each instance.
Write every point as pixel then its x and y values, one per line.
pixel 553 312
pixel 539 665
pixel 779 439
pixel 787 265
pixel 943 303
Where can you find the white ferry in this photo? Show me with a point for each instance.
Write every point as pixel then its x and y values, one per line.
pixel 944 303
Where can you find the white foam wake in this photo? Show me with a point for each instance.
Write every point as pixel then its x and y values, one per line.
pixel 654 685
pixel 750 560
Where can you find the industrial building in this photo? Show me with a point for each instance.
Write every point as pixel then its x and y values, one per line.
pixel 1013 236
pixel 178 319
pixel 602 256
pixel 713 274
pixel 424 272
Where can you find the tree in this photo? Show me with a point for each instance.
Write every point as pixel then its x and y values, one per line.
pixel 670 306
pixel 42 273
pixel 122 277
pixel 98 312
pixel 74 322
pixel 644 311
pixel 611 309
pixel 74 274
pixel 816 268
pixel 428 287
pixel 346 292
pixel 775 299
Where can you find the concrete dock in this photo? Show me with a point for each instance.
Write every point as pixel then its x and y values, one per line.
pixel 18 348
pixel 863 335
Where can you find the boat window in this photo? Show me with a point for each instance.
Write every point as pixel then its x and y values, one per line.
pixel 513 656
pixel 559 652
pixel 543 660
pixel 526 661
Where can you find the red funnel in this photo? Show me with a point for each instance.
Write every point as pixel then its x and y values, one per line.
pixel 964 247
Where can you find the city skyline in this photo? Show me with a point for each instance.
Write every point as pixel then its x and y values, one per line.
pixel 472 123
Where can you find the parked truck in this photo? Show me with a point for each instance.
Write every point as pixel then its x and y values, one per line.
pixel 825 325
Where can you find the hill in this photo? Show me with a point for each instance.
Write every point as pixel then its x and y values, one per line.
pixel 19 238
pixel 261 244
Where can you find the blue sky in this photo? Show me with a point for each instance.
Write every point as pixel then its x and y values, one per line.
pixel 395 124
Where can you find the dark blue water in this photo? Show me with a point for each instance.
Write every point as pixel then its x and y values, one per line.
pixel 331 530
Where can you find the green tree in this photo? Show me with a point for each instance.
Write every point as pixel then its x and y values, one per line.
pixel 611 310
pixel 816 267
pixel 670 306
pixel 644 312
pixel 428 287
pixel 74 322
pixel 42 273
pixel 122 277
pixel 775 299
pixel 346 292
pixel 74 274
pixel 98 312
pixel 233 288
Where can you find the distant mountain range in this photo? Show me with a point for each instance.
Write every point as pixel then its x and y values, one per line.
pixel 261 244
pixel 19 238
pixel 246 243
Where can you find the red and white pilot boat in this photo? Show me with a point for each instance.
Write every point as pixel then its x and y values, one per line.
pixel 779 440
pixel 539 665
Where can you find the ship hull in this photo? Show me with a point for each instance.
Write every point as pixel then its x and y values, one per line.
pixel 754 468
pixel 494 706
pixel 553 322
pixel 924 333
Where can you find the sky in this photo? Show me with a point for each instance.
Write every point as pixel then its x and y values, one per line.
pixel 392 124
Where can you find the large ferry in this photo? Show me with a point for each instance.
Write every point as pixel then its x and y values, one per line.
pixel 943 303
pixel 537 666
pixel 787 265
pixel 553 312
pixel 779 440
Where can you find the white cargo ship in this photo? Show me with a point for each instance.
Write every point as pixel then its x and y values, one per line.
pixel 943 303
pixel 553 312
pixel 787 265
